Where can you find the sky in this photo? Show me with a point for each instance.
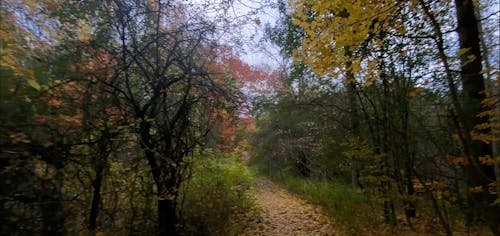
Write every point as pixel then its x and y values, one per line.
pixel 246 20
pixel 242 24
pixel 258 52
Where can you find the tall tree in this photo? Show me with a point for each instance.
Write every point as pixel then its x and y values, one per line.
pixel 478 175
pixel 165 90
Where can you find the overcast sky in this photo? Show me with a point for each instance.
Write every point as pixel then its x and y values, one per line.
pixel 242 24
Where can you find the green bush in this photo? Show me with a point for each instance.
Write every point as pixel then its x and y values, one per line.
pixel 219 191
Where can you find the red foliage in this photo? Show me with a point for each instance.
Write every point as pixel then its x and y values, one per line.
pixel 226 126
pixel 115 113
pixel 54 102
pixel 40 119
pixel 251 79
pixel 246 121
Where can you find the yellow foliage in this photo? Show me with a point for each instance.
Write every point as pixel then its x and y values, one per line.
pixel 43 170
pixel 459 160
pixel 18 43
pixel 33 83
pixel 333 26
pixel 470 58
pixel 476 189
pixel 416 92
pixel 492 188
pixel 487 160
pixel 462 51
pixel 438 185
pixel 85 31
pixel 483 126
pixel 487 113
pixel 68 121
pixel 19 138
pixel 490 101
pixel 419 187
pixel 483 137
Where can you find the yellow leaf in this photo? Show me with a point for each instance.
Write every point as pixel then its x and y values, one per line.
pixel 462 51
pixel 33 83
pixel 19 138
pixel 486 138
pixel 477 189
pixel 416 92
pixel 482 126
pixel 487 160
pixel 439 185
pixel 471 58
pixel 458 160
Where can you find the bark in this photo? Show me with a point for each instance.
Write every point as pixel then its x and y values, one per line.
pixel 303 165
pixel 389 211
pixel 100 165
pixel 410 210
pixel 479 204
pixel 441 215
pixel 167 217
pixel 350 84
pixel 51 207
pixel 493 89
pixel 165 185
pixel 96 198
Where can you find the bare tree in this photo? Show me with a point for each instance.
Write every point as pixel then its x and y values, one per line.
pixel 165 90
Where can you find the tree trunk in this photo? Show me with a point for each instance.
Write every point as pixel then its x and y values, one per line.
pixel 350 84
pixel 493 87
pixel 51 207
pixel 444 221
pixel 167 217
pixel 479 203
pixel 303 165
pixel 96 198
pixel 167 193
pixel 100 164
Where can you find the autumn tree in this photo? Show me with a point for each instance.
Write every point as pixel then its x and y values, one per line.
pixel 478 174
pixel 358 42
pixel 30 148
pixel 164 89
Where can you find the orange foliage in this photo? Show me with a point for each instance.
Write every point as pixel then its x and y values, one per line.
pixel 226 127
pixel 55 102
pixel 253 79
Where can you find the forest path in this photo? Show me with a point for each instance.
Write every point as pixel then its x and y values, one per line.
pixel 282 213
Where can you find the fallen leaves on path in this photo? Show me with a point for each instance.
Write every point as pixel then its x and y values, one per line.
pixel 285 214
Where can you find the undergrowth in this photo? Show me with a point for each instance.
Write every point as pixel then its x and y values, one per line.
pixel 357 212
pixel 349 208
pixel 219 192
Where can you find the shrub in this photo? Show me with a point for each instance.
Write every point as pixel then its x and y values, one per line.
pixel 219 191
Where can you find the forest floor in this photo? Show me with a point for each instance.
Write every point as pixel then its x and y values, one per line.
pixel 283 213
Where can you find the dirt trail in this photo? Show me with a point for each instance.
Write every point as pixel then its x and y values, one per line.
pixel 285 214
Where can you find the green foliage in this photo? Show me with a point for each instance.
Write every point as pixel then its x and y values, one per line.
pixel 219 191
pixel 287 136
pixel 347 206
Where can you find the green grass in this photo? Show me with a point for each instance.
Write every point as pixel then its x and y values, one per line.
pixel 349 208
